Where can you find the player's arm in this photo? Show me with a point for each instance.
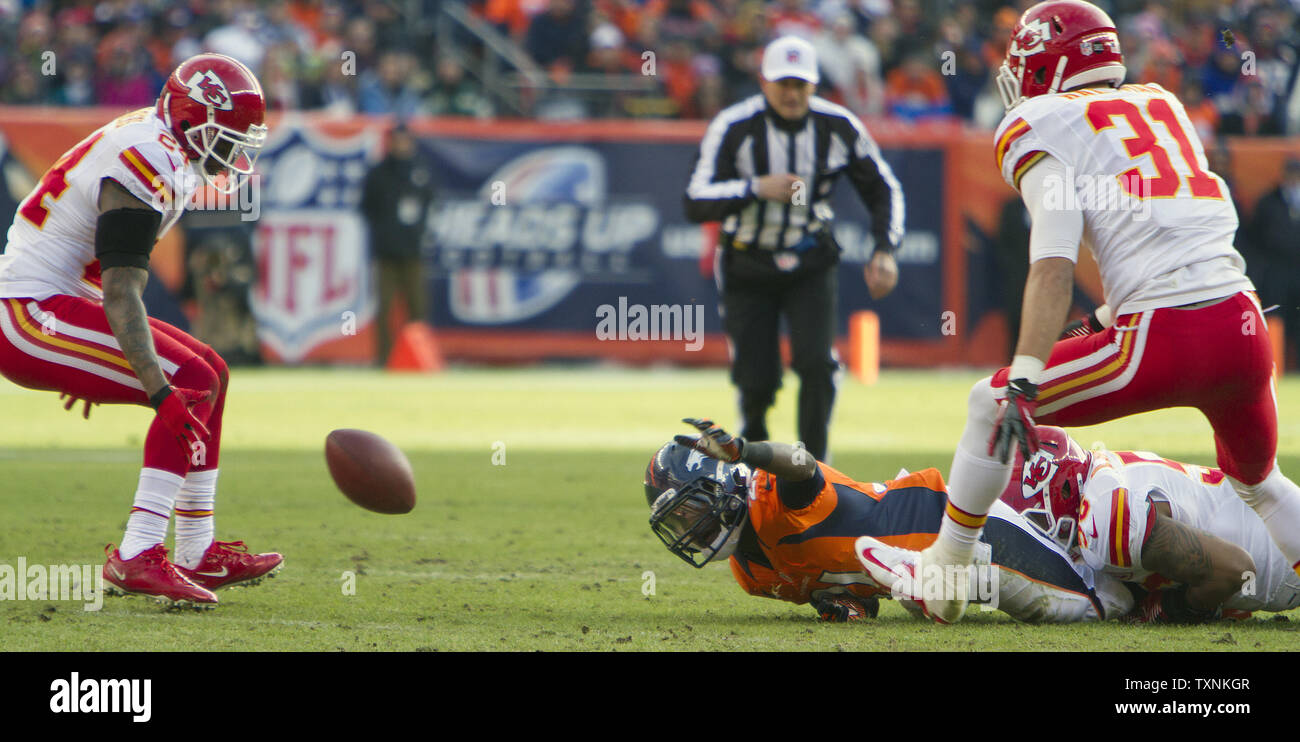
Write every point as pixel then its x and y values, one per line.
pixel 1054 239
pixel 792 463
pixel 124 237
pixel 1213 570
pixel 1048 295
pixel 787 462
pixel 798 478
pixel 1049 290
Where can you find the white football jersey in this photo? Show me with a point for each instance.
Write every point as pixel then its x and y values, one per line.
pixel 1116 516
pixel 1158 222
pixel 51 244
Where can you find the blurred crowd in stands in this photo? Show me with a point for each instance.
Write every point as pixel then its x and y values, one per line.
pixel 1233 63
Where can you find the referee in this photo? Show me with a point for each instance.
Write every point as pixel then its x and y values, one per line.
pixel 766 169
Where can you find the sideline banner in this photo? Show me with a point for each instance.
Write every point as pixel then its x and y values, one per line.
pixel 545 233
pixel 538 235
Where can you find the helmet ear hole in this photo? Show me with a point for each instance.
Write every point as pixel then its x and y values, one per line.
pixel 1040 75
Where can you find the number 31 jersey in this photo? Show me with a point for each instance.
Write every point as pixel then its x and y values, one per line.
pixel 51 244
pixel 1158 222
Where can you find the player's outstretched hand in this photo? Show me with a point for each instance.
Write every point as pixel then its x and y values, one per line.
pixel 85 411
pixel 844 608
pixel 175 408
pixel 881 274
pixel 1015 422
pixel 713 441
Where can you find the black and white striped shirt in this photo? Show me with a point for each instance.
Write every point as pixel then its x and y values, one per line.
pixel 748 140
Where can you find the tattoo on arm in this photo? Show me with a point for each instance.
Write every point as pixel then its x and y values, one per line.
pixel 1176 551
pixel 1212 568
pixel 123 288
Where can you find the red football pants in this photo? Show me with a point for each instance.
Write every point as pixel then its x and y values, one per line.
pixel 65 344
pixel 1215 358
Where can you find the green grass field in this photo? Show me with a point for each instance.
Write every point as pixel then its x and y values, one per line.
pixel 549 551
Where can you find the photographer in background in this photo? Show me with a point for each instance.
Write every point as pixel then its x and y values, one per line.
pixel 395 201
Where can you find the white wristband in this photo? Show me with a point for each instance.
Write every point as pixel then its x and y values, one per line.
pixel 1027 367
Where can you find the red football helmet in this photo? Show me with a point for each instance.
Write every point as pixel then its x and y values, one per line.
pixel 1058 46
pixel 1047 489
pixel 215 108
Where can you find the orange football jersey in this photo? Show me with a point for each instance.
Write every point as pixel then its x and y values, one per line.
pixel 794 554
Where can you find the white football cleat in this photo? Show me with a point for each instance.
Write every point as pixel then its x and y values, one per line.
pixel 956 584
pixel 891 568
pixel 908 575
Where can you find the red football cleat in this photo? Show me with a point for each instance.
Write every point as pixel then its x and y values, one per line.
pixel 228 563
pixel 150 573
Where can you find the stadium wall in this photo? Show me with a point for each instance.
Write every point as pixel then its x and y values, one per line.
pixel 545 232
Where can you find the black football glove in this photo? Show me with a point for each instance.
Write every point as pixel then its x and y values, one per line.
pixel 1082 327
pixel 1015 422
pixel 713 441
pixel 844 608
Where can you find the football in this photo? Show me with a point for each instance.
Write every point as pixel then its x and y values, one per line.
pixel 372 472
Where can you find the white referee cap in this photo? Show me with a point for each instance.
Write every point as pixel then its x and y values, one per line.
pixel 790 56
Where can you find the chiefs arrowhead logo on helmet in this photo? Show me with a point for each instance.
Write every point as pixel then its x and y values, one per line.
pixel 1047 489
pixel 1030 39
pixel 206 88
pixel 215 109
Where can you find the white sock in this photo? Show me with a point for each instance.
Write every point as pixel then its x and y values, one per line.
pixel 194 519
pixel 1276 501
pixel 976 482
pixel 147 524
pixel 976 479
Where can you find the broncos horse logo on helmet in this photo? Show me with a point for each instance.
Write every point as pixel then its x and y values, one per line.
pixel 697 503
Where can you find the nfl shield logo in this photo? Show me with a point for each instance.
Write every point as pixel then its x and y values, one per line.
pixel 786 261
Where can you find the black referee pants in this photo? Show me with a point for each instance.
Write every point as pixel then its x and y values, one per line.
pixel 755 295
